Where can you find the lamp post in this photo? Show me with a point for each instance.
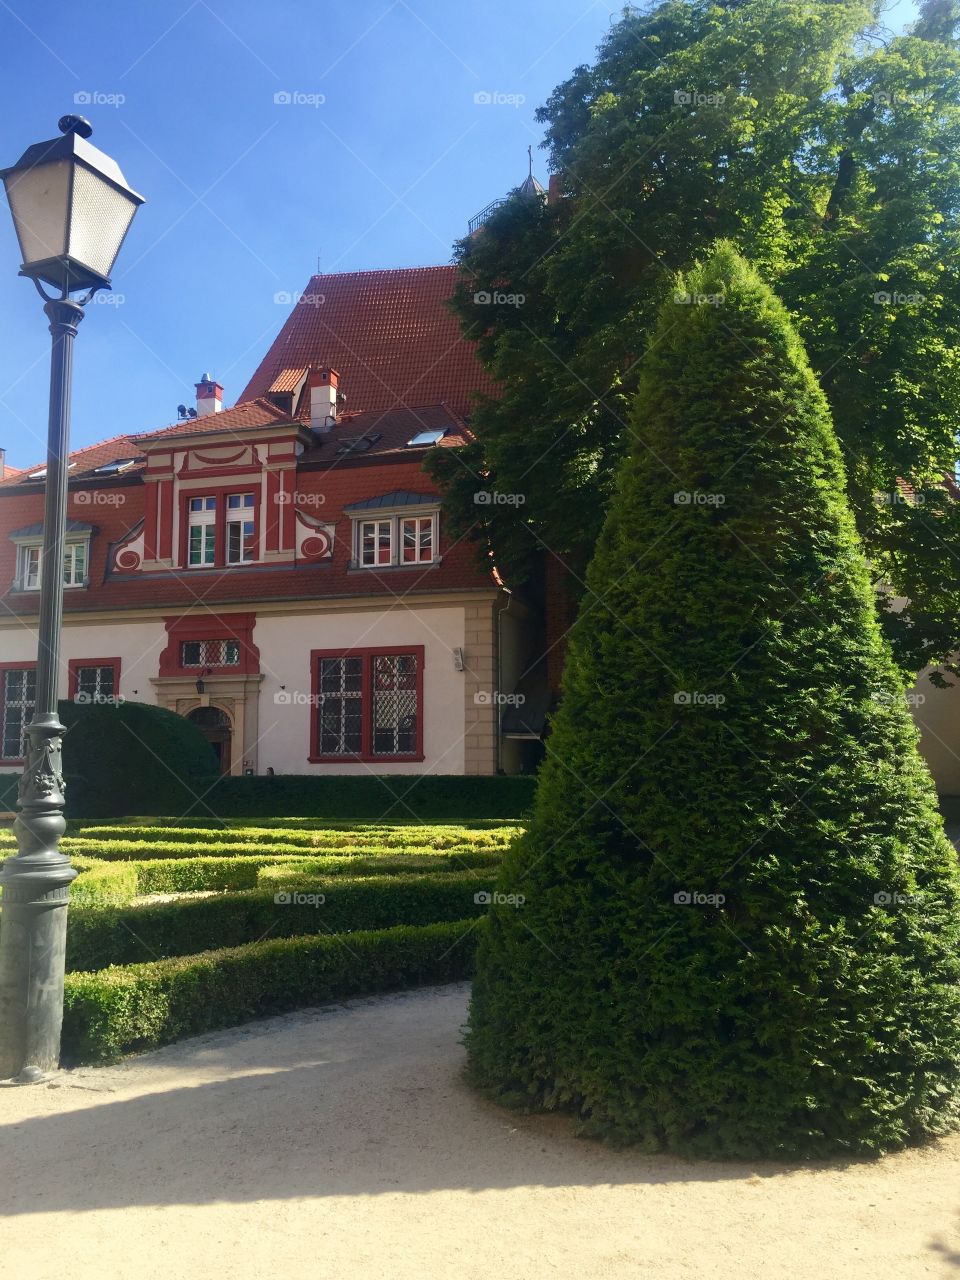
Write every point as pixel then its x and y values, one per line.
pixel 72 209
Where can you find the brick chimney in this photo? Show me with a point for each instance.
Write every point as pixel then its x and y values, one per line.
pixel 3 463
pixel 323 384
pixel 209 396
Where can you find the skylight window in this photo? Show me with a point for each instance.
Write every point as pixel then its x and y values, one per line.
pixel 41 472
pixel 118 464
pixel 359 444
pixel 427 437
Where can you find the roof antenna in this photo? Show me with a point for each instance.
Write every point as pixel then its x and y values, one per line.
pixel 530 158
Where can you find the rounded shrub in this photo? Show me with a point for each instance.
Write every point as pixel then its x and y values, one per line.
pixel 132 758
pixel 732 927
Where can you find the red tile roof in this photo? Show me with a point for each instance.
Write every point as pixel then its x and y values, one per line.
pixel 389 334
pixel 84 460
pixel 389 432
pixel 251 413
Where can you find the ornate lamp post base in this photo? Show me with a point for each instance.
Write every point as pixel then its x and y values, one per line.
pixel 36 888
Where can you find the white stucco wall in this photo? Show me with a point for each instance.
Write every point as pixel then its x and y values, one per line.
pixel 285 643
pixel 136 644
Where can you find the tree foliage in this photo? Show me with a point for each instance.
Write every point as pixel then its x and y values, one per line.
pixel 732 927
pixel 830 156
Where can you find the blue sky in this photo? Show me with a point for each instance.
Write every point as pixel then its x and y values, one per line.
pixel 377 159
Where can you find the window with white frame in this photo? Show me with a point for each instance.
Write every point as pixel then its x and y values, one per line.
pixel 395 540
pixel 30 565
pixel 241 528
pixel 201 531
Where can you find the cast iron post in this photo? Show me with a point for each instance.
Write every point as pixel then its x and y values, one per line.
pixel 36 881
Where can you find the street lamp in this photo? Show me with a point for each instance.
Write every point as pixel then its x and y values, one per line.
pixel 72 209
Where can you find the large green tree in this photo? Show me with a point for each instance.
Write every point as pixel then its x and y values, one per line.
pixel 830 151
pixel 732 927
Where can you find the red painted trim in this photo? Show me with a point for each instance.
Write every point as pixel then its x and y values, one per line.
pixel 366 754
pixel 220 492
pixel 211 626
pixel 74 663
pixel 150 520
pixel 228 469
pixel 166 519
pixel 288 510
pixel 272 514
pixel 12 666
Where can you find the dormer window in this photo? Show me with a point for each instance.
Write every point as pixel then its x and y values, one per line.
pixel 76 557
pixel 395 530
pixel 221 530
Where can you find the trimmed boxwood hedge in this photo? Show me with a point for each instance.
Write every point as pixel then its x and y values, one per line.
pixel 379 836
pixel 141 850
pixel 110 934
pixel 423 797
pixel 119 882
pixel 137 1007
pixel 117 788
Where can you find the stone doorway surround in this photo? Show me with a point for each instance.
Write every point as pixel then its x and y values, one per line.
pixel 235 695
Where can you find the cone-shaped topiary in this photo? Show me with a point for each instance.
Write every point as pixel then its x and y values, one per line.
pixel 733 925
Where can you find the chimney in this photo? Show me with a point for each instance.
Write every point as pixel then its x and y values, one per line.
pixel 323 384
pixel 209 396
pixel 3 463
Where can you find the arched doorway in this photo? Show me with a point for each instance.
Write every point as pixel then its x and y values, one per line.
pixel 215 726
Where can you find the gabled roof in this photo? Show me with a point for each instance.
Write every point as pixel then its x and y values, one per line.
pixel 389 334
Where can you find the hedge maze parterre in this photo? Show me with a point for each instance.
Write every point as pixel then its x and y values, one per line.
pixel 176 929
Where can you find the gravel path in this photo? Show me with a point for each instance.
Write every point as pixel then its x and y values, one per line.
pixel 343 1142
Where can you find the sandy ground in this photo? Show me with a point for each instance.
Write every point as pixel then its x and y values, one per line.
pixel 343 1142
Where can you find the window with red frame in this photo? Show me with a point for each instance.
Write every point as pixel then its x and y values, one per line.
pixel 18 697
pixel 221 530
pixel 368 705
pixel 94 679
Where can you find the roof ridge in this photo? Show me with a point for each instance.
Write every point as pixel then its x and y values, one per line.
pixel 384 271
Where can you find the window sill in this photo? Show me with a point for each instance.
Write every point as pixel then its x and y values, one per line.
pixel 410 759
pixel 355 566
